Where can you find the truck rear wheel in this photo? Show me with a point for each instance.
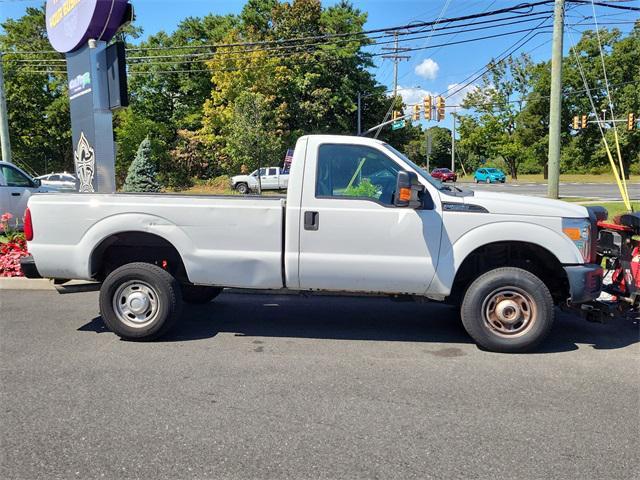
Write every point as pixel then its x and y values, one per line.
pixel 507 310
pixel 140 301
pixel 199 294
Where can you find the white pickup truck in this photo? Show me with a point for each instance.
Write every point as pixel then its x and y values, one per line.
pixel 271 178
pixel 359 216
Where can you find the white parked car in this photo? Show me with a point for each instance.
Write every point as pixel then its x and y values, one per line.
pixel 271 178
pixel 16 186
pixel 60 181
pixel 359 216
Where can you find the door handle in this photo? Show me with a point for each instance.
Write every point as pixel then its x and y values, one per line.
pixel 311 220
pixel 15 194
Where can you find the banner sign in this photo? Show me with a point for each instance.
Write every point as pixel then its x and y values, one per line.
pixel 70 23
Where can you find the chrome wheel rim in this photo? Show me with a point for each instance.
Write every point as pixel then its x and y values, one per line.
pixel 136 304
pixel 509 312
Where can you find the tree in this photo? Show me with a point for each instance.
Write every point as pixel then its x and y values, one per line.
pixel 497 104
pixel 250 134
pixel 37 103
pixel 142 173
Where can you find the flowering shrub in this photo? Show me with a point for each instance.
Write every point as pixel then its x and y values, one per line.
pixel 13 247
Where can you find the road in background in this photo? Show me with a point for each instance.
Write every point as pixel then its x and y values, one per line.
pixel 599 191
pixel 279 386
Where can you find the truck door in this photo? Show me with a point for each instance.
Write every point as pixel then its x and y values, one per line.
pixel 352 237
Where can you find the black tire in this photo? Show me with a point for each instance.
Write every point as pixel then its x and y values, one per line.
pixel 242 188
pixel 199 294
pixel 154 287
pixel 487 180
pixel 507 310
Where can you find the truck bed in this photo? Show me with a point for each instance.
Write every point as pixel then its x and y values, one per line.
pixel 225 240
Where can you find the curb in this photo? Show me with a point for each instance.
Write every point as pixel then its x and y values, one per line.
pixel 23 283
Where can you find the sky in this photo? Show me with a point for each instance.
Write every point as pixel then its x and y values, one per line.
pixel 427 71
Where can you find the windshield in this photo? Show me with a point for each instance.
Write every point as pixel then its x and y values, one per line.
pixel 493 170
pixel 419 170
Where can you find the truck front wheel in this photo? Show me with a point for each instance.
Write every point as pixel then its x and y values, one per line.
pixel 507 310
pixel 242 188
pixel 140 301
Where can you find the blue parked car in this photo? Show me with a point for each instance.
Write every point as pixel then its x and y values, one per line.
pixel 489 175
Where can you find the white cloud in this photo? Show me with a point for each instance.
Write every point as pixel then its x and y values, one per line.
pixel 458 97
pixel 428 69
pixel 412 95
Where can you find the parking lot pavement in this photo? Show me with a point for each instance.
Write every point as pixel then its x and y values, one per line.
pixel 310 387
pixel 600 191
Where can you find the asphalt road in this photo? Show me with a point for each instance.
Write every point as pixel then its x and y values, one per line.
pixel 309 387
pixel 599 191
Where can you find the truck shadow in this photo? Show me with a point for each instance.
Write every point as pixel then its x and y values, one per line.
pixel 366 319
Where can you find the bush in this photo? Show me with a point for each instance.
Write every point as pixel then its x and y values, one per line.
pixel 13 247
pixel 141 176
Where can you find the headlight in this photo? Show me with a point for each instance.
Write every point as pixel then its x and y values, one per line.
pixel 579 231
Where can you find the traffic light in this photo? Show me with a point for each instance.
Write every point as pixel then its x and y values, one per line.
pixel 576 123
pixel 427 107
pixel 631 121
pixel 416 112
pixel 397 115
pixel 440 108
pixel 583 124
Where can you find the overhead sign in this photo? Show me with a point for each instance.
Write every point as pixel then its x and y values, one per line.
pixel 398 125
pixel 70 23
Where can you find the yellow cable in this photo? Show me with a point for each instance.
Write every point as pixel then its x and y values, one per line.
pixel 625 199
pixel 624 180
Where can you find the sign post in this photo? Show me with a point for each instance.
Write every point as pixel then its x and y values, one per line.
pixel 81 30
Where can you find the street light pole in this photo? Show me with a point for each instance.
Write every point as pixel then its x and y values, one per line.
pixel 359 113
pixel 555 102
pixel 4 120
pixel 453 144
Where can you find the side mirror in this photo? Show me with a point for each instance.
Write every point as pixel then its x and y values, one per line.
pixel 37 183
pixel 409 190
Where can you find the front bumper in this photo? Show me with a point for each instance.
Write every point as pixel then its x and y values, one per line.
pixel 585 282
pixel 28 267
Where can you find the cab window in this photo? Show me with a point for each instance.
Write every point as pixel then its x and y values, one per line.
pixel 15 178
pixel 355 171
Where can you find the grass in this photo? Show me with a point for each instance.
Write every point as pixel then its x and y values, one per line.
pixel 616 208
pixel 568 178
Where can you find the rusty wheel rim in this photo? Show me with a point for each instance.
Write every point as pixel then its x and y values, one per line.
pixel 509 312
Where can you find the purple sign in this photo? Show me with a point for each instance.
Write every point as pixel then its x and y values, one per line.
pixel 70 23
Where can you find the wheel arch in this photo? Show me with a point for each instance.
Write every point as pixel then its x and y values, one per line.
pixel 141 237
pixel 519 236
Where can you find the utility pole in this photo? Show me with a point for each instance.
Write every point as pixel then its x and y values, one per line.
pixel 4 119
pixel 394 55
pixel 555 103
pixel 429 141
pixel 453 144
pixel 359 113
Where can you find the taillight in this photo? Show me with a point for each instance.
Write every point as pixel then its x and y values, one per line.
pixel 28 226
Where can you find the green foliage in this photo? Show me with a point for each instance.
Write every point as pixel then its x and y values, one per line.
pixel 510 109
pixel 364 189
pixel 250 135
pixel 38 106
pixel 142 172
pixel 205 119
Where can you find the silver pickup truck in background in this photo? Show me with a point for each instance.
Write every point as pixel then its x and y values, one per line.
pixel 271 178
